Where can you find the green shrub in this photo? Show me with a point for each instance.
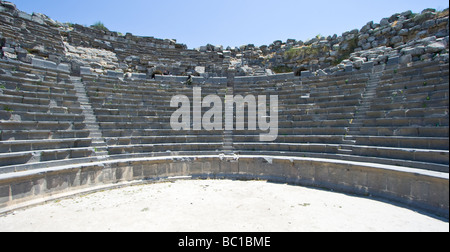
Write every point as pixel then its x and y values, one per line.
pixel 345 54
pixel 99 26
pixel 304 52
pixel 6 108
pixel 282 69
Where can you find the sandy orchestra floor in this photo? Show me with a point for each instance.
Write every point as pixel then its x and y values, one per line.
pixel 218 205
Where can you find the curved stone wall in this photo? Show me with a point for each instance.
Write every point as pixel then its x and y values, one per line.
pixel 378 128
pixel 400 155
pixel 420 189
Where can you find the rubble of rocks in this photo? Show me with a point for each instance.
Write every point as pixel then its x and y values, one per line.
pixel 404 38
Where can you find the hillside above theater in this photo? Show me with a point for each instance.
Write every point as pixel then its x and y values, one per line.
pixel 405 37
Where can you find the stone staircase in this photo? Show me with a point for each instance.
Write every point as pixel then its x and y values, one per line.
pixel 360 113
pixel 228 134
pixel 98 142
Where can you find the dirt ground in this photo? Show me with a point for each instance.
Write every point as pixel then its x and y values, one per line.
pixel 219 206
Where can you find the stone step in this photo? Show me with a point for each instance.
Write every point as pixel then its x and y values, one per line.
pixel 89 117
pixel 347 140
pixel 95 134
pixel 345 151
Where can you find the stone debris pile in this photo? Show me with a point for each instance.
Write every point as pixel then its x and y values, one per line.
pixel 403 37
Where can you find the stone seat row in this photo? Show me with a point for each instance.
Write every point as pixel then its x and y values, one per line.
pixel 39 70
pixel 136 93
pixel 239 88
pixel 399 123
pixel 33 29
pixel 164 115
pixel 178 138
pixel 174 139
pixel 428 95
pixel 436 158
pixel 9 135
pixel 419 85
pixel 42 98
pixel 24 107
pixel 38 116
pixel 333 101
pixel 36 86
pixel 436 130
pixel 135 131
pixel 289 126
pixel 431 143
pixel 427 137
pixel 52 45
pixel 43 144
pixel 353 91
pixel 324 82
pixel 109 108
pixel 433 77
pixel 166 148
pixel 302 89
pixel 411 154
pixel 42 125
pixel 332 152
pixel 425 102
pixel 25 160
pixel 137 88
pixel 126 133
pixel 432 70
pixel 25 97
pixel 112 106
pixel 24 20
pixel 382 111
pixel 416 69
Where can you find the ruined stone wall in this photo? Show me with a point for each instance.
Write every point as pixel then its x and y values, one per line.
pixel 404 37
pixel 407 36
pixel 25 36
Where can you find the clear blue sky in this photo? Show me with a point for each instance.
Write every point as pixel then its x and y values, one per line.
pixel 228 23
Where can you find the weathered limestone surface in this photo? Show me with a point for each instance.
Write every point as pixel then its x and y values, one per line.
pixel 368 113
pixel 424 190
pixel 408 36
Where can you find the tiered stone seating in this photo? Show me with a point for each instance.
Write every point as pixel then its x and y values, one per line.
pixel 134 116
pixel 380 132
pixel 408 119
pixel 40 118
pixel 406 123
pixel 146 52
pixel 313 114
pixel 43 124
pixel 32 33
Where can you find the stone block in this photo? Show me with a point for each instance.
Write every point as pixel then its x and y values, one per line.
pixel 393 61
pixel 396 39
pixel 348 68
pixel 43 63
pixel 138 76
pixel 405 59
pixel 114 74
pixel 435 47
pixel 85 70
pixel 64 67
pixel 306 74
pixel 367 65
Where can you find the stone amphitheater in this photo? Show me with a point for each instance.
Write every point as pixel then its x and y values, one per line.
pixel 365 113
